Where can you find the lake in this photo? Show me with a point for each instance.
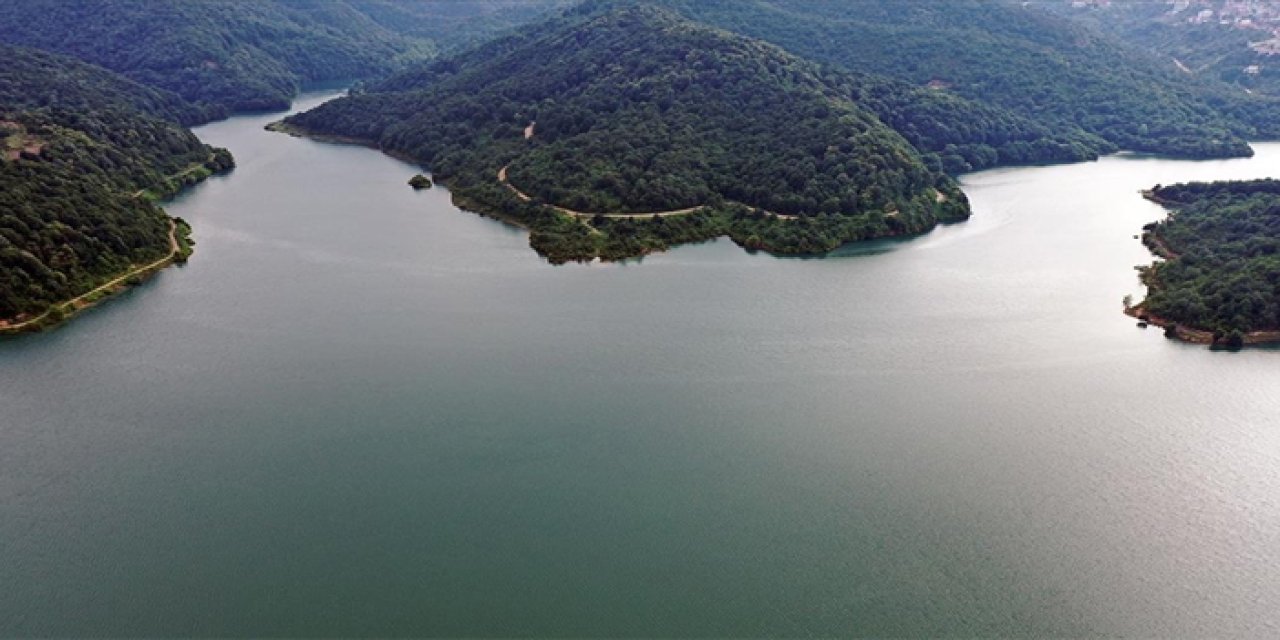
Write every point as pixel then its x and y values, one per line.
pixel 361 411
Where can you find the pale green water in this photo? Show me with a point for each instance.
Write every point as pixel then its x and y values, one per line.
pixel 359 411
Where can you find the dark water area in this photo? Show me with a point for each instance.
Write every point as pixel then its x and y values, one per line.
pixel 361 411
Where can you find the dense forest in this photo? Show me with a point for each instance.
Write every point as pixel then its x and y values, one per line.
pixel 637 110
pixel 83 148
pixel 1222 250
pixel 34 79
pixel 625 123
pixel 239 55
pixel 958 135
pixel 1057 72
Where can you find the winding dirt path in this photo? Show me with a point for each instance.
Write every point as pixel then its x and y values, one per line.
pixel 195 166
pixel 583 215
pixel 6 325
pixel 524 197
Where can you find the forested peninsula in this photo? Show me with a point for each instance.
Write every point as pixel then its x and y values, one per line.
pixel 86 153
pixel 578 124
pixel 1219 282
pixel 636 111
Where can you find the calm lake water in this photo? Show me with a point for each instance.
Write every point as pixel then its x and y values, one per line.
pixel 360 411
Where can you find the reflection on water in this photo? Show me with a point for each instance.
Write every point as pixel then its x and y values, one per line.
pixel 359 410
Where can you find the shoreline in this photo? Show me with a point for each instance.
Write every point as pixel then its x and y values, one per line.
pixel 60 313
pixel 463 203
pixel 1173 329
pixel 280 126
pixel 471 206
pixel 939 197
pixel 1197 335
pixel 1150 194
pixel 180 249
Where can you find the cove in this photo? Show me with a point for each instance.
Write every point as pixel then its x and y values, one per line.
pixel 361 411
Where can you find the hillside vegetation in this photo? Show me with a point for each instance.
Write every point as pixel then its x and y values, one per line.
pixel 1222 245
pixel 957 135
pixel 637 110
pixel 1052 70
pixel 81 148
pixel 252 54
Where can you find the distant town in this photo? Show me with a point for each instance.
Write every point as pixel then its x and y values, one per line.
pixel 1262 16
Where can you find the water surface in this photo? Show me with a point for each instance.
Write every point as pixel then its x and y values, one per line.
pixel 360 411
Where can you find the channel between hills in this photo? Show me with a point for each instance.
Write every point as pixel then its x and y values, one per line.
pixel 524 197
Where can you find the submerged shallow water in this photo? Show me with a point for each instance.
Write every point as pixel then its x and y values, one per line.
pixel 360 411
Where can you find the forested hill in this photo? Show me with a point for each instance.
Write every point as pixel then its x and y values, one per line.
pixel 239 55
pixel 1222 250
pixel 954 134
pixel 35 79
pixel 1014 55
pixel 958 135
pixel 637 110
pixel 252 54
pixel 81 148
